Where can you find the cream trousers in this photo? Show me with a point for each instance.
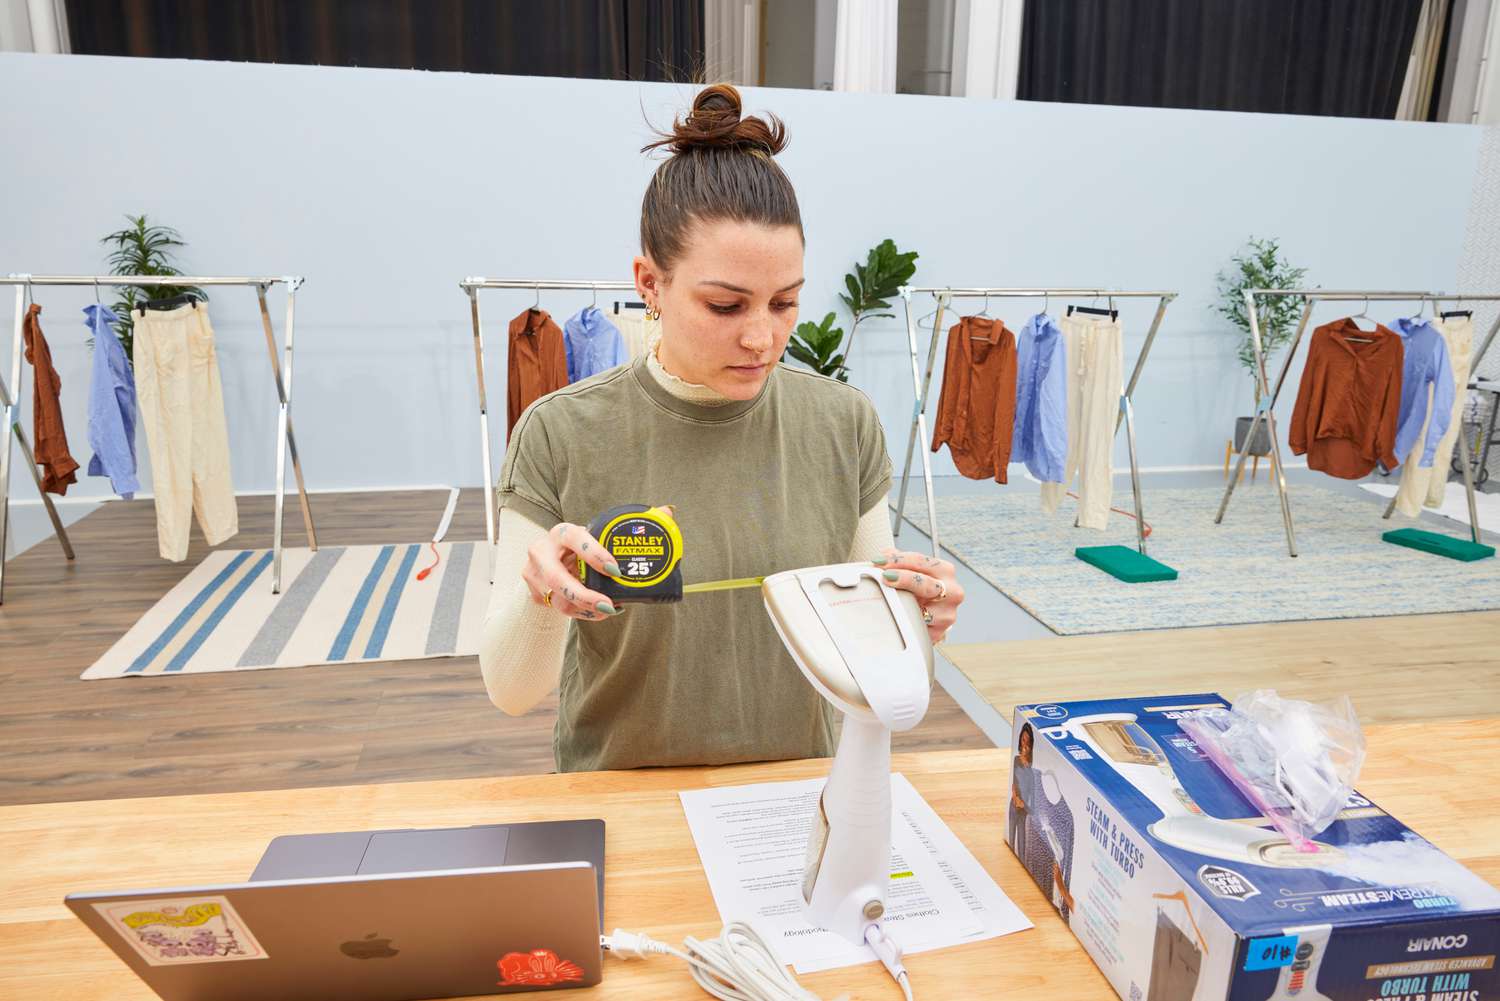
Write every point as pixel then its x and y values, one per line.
pixel 182 410
pixel 1096 363
pixel 1425 485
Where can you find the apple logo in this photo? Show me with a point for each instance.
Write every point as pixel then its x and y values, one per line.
pixel 369 947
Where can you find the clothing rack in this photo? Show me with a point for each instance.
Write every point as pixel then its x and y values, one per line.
pixel 1268 395
pixel 921 383
pixel 286 439
pixel 472 287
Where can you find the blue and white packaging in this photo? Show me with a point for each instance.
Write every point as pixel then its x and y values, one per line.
pixel 1180 891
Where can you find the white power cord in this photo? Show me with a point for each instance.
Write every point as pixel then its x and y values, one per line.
pixel 739 966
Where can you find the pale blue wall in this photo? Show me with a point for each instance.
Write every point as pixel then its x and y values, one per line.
pixel 384 188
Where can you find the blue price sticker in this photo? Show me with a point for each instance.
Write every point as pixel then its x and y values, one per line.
pixel 1270 953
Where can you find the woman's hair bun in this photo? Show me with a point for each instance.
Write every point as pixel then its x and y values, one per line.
pixel 715 123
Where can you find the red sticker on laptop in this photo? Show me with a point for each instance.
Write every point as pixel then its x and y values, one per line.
pixel 537 968
pixel 175 931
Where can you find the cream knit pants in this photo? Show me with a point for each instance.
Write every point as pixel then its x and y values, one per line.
pixel 182 410
pixel 1425 485
pixel 1096 363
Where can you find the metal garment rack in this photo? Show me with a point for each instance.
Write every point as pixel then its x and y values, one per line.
pixel 471 287
pixel 921 383
pixel 286 439
pixel 1268 395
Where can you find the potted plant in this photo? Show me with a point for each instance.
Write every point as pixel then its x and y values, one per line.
pixel 821 346
pixel 142 249
pixel 1259 265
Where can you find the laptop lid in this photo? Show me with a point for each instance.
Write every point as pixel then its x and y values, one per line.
pixel 378 937
pixel 349 853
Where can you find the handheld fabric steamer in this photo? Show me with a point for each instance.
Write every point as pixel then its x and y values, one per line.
pixel 859 642
pixel 1117 738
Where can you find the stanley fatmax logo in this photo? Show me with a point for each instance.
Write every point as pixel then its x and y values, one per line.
pixel 637 542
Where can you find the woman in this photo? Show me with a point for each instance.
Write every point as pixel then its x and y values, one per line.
pixel 768 468
pixel 1041 830
pixel 1022 784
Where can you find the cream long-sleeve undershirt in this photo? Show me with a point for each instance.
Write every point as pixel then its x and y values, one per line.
pixel 521 646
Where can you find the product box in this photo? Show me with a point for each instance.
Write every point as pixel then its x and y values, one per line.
pixel 1181 892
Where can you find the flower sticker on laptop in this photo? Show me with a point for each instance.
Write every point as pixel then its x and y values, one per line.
pixel 537 968
pixel 173 931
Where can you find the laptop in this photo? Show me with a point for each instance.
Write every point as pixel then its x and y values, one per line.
pixel 391 915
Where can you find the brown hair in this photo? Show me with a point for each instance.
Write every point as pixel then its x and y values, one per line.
pixel 720 168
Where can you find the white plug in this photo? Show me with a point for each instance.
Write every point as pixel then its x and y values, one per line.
pixel 632 945
pixel 888 950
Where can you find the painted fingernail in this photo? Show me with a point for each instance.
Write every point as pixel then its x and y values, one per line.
pixel 879 561
pixel 612 568
pixel 892 576
pixel 607 608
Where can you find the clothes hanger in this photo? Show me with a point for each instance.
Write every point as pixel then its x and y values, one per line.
pixel 983 314
pixel 1363 314
pixel 984 311
pixel 1419 317
pixel 172 302
pixel 536 307
pixel 1181 898
pixel 1459 302
pixel 941 304
pixel 1111 312
pixel 595 304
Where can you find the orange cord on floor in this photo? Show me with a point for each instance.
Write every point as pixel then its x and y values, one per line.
pixel 1145 525
pixel 436 559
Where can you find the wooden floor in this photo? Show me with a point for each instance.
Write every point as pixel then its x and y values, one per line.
pixel 65 739
pixel 1408 667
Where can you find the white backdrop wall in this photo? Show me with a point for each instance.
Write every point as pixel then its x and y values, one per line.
pixel 384 188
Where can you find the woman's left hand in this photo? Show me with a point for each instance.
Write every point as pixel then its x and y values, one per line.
pixel 932 581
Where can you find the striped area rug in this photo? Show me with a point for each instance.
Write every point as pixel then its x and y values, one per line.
pixel 338 605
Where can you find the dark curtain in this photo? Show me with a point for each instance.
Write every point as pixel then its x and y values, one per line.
pixel 1305 57
pixel 600 39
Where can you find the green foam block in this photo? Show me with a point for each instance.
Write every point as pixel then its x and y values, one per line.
pixel 1125 563
pixel 1439 545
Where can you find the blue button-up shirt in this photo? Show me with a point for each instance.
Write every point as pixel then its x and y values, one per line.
pixel 1040 438
pixel 593 344
pixel 111 405
pixel 1425 362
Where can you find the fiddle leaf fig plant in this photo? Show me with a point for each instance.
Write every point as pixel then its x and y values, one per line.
pixel 869 288
pixel 816 345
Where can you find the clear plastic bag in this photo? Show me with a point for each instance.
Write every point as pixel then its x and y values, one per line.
pixel 1296 761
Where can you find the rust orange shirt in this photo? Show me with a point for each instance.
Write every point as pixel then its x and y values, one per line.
pixel 1347 406
pixel 538 362
pixel 58 465
pixel 977 409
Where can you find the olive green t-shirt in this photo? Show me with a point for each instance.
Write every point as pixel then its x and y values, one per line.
pixel 768 484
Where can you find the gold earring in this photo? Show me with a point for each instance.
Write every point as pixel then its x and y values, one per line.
pixel 653 313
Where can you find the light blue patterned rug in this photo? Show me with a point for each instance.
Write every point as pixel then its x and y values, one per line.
pixel 1232 573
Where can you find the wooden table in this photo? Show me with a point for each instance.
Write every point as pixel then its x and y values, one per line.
pixel 1436 776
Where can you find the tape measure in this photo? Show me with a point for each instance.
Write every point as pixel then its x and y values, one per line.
pixel 646 544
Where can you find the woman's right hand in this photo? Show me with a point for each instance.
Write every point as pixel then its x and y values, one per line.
pixel 551 575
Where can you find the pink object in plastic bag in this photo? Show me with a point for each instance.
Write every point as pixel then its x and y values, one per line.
pixel 1296 762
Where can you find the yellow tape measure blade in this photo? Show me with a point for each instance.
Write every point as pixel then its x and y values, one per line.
pixel 723 585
